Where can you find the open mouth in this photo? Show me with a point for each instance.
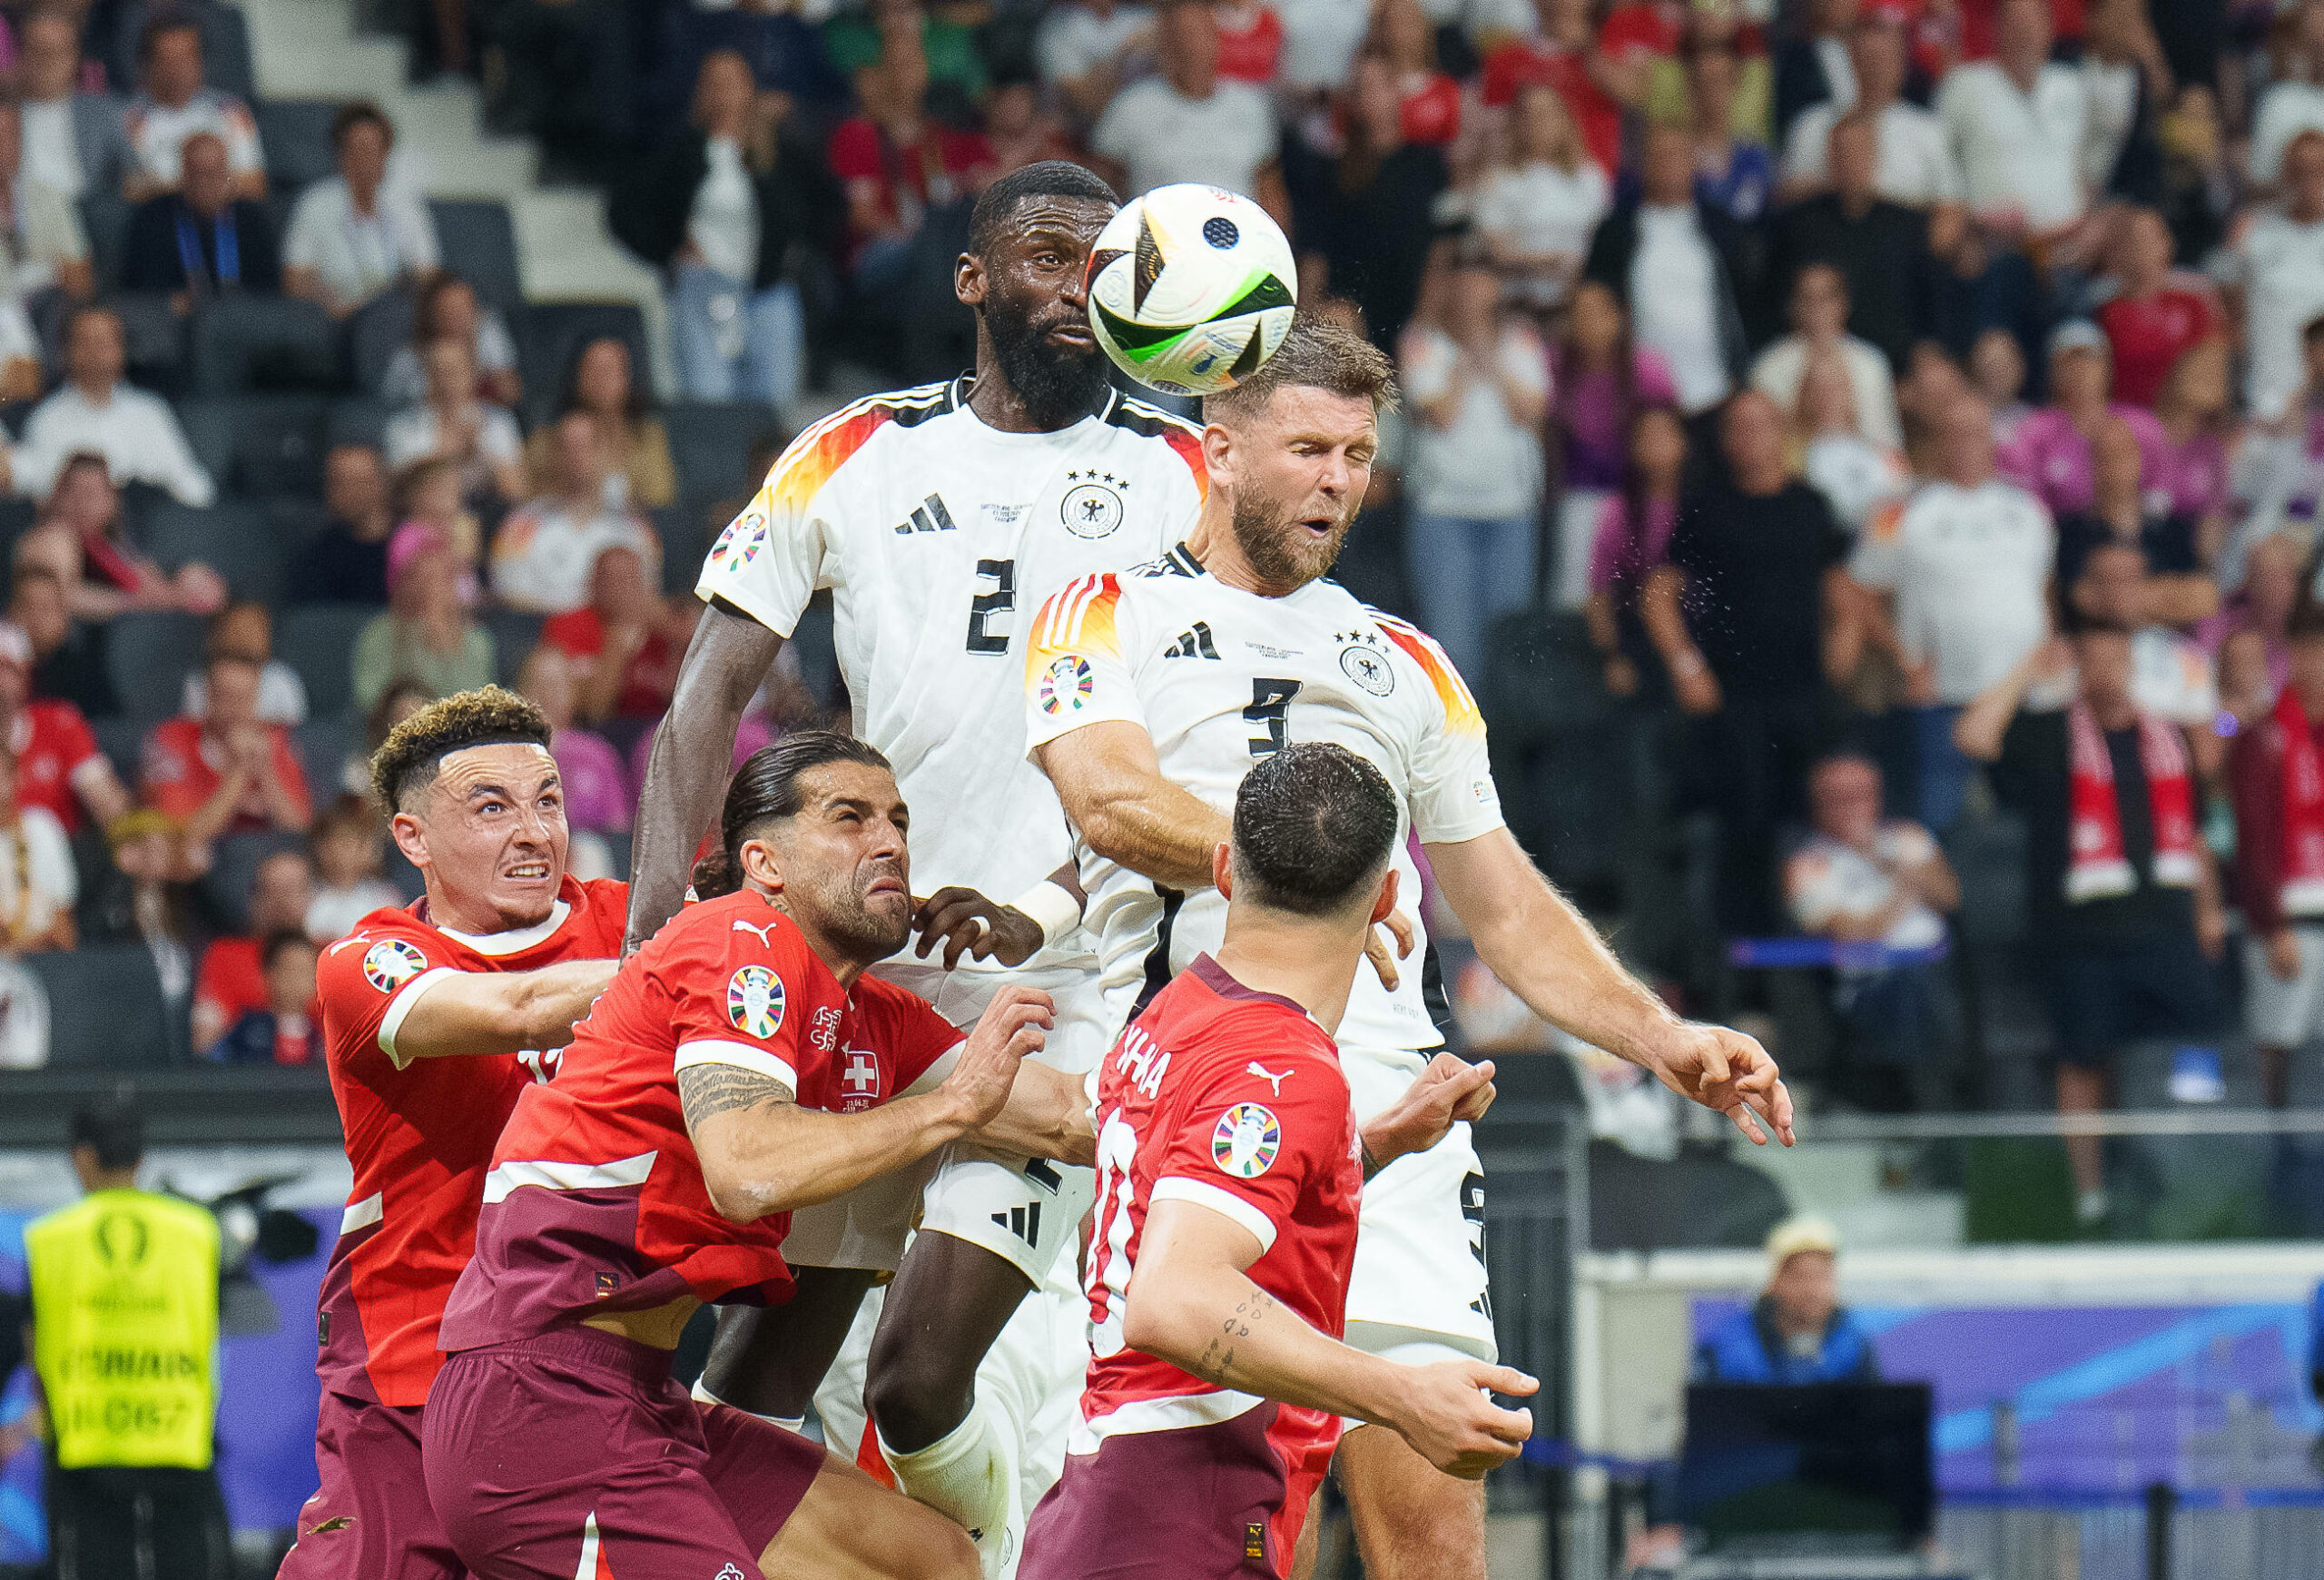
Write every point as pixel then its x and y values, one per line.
pixel 529 872
pixel 1321 526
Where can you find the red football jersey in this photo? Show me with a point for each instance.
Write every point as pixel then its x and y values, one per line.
pixel 420 1135
pixel 596 1200
pixel 1234 1099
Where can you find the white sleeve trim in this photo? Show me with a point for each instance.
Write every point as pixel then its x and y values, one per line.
pixel 399 1010
pixel 934 1075
pixel 1226 1203
pixel 741 1055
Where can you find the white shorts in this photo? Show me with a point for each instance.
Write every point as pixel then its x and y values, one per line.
pixel 1026 1211
pixel 1419 1242
pixel 2280 1013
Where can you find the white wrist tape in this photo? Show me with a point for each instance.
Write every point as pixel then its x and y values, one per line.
pixel 1051 906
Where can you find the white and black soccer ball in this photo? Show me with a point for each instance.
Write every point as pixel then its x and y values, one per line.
pixel 1191 288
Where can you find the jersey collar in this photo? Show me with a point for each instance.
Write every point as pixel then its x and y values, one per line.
pixel 494 944
pixel 956 399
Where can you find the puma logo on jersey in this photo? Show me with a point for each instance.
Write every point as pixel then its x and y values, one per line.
pixel 1269 1076
pixel 929 516
pixel 765 932
pixel 1194 643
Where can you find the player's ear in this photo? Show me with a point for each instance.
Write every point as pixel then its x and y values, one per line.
pixel 1222 870
pixel 411 836
pixel 968 280
pixel 761 865
pixel 1218 451
pixel 1385 906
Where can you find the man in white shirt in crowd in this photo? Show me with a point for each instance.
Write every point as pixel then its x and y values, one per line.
pixel 1965 571
pixel 94 412
pixel 1087 49
pixel 2018 124
pixel 2292 105
pixel 544 552
pixel 1662 257
pixel 42 242
pixel 74 141
pixel 1189 124
pixel 2276 268
pixel 356 235
pixel 1917 166
pixel 172 104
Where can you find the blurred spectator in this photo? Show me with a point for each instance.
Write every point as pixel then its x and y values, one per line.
pixel 199 242
pixel 78 538
pixel 42 242
pixel 2122 76
pixel 448 308
pixel 947 45
pixel 601 382
pixel 1087 49
pixel 68 658
pixel 2119 513
pixel 1750 616
pixel 95 412
pixel 2148 321
pixel 172 104
pixel 1881 248
pixel 347 561
pixel 1250 41
pixel 2276 262
pixel 20 353
pixel 1732 175
pixel 2050 452
pixel 357 235
pixel 1913 162
pixel 1862 878
pixel 619 643
pixel 783 703
pixel 2292 104
pixel 452 424
pixel 232 976
pixel 1602 378
pixel 398 701
pixel 1679 265
pixel 2277 785
pixel 2200 441
pixel 722 208
pixel 1797 1331
pixel 247 630
pixel 2246 695
pixel 2261 610
pixel 1477 378
pixel 430 509
pixel 347 886
pixel 1187 124
pixel 1562 52
pixel 2019 124
pixel 424 636
pixel 1632 537
pixel 1819 318
pixel 2120 886
pixel 2170 675
pixel 2196 185
pixel 1320 41
pixel 38 882
pixel 1816 68
pixel 1965 574
pixel 142 901
pixel 76 142
pixel 596 786
pixel 288 1029
pixel 226 772
pixel 1020 128
pixel 1368 212
pixel 1997 372
pixel 1428 101
pixel 1857 475
pixel 1536 212
pixel 58 766
pixel 897 163
pixel 543 554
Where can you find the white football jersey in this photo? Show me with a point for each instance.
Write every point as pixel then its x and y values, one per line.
pixel 930 527
pixel 1220 678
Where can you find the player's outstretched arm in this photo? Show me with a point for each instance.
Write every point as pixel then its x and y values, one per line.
pixel 1047 1116
pixel 476 1013
pixel 692 759
pixel 1191 1304
pixel 1111 783
pixel 1548 955
pixel 761 1154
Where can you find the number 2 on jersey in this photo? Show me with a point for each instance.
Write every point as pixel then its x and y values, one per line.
pixel 1000 600
pixel 1270 704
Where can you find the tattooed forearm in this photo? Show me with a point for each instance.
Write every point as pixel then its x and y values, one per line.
pixel 1217 1362
pixel 705 1090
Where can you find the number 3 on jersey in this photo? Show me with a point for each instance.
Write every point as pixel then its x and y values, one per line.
pixel 984 606
pixel 1270 704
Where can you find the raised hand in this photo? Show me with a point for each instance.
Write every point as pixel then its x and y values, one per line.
pixel 1014 1025
pixel 966 923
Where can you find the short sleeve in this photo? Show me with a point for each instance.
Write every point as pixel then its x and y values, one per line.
pixel 239 132
pixel 737 997
pixel 367 985
pixel 912 1038
pixel 1251 1133
pixel 1451 788
pixel 775 552
pixel 1811 883
pixel 1878 561
pixel 1077 673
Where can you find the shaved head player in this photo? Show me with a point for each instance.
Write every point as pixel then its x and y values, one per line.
pixel 434 1019
pixel 930 514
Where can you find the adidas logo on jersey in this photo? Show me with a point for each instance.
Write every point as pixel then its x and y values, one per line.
pixel 929 516
pixel 1194 643
pixel 1024 1223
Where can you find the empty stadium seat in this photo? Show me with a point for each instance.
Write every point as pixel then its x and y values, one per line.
pixel 685 539
pixel 295 135
pixel 357 419
pixel 268 446
pixel 155 337
pixel 380 328
pixel 243 344
pixel 478 242
pixel 105 1008
pixel 324 745
pixel 318 640
pixel 710 446
pixel 514 635
pixel 548 335
pixel 123 741
pixel 148 655
pixel 105 217
pixel 233 538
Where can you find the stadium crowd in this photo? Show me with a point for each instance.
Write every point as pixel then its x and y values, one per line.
pixel 1800 411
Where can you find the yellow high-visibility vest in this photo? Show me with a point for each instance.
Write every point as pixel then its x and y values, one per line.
pixel 125 1287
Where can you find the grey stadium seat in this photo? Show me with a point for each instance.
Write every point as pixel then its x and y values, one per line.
pixel 378 328
pixel 548 335
pixel 357 419
pixel 233 538
pixel 295 135
pixel 268 446
pixel 514 635
pixel 148 655
pixel 478 242
pixel 155 337
pixel 105 1009
pixel 318 640
pixel 244 344
pixel 710 445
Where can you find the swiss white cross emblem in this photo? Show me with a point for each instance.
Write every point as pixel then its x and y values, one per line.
pixel 861 1078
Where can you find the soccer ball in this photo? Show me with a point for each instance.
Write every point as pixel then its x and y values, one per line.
pixel 1191 288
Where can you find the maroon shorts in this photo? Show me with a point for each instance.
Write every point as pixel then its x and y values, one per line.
pixel 573 1454
pixel 370 1516
pixel 1224 1500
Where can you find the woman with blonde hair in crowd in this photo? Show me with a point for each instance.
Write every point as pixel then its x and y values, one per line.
pixel 1855 475
pixel 603 383
pixel 1536 209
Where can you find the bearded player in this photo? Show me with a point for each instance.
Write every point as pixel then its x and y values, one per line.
pixel 712 1090
pixel 1229 1169
pixel 435 1019
pixel 1150 696
pixel 929 514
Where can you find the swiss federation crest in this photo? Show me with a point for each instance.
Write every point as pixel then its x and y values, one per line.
pixel 391 963
pixel 754 1001
pixel 1364 658
pixel 1067 683
pixel 1247 1141
pixel 1092 506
